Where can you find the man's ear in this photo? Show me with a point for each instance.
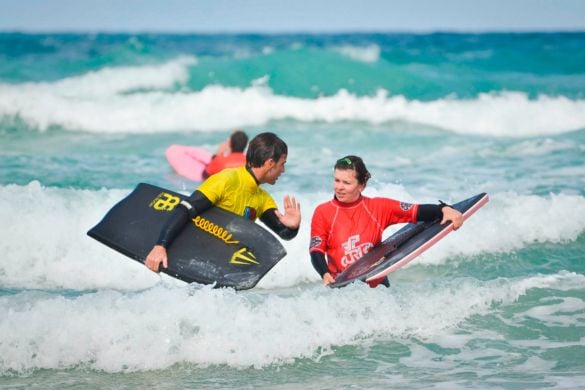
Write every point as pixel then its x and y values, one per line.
pixel 269 163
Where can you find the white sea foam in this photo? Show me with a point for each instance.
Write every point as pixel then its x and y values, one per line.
pixel 48 246
pixel 47 243
pixel 153 99
pixel 206 326
pixel 47 252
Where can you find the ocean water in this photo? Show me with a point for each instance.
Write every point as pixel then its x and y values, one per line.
pixel 498 304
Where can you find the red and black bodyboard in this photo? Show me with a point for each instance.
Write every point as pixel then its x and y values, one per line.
pixel 404 246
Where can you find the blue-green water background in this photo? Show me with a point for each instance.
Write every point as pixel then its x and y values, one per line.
pixel 498 304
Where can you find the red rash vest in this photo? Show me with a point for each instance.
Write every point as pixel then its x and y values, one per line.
pixel 344 232
pixel 219 163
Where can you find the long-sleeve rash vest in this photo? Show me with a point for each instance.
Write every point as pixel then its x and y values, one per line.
pixel 234 190
pixel 344 232
pixel 341 233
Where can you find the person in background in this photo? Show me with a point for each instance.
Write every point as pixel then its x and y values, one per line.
pixel 237 190
pixel 346 227
pixel 229 154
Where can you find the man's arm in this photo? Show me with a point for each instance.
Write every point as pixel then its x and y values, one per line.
pixel 285 225
pixel 270 219
pixel 187 209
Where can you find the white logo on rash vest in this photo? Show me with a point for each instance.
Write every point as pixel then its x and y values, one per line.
pixel 353 251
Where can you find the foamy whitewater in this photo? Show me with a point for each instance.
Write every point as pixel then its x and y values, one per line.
pixel 498 304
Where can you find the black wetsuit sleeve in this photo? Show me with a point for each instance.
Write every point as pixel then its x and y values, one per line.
pixel 430 212
pixel 187 209
pixel 319 263
pixel 270 219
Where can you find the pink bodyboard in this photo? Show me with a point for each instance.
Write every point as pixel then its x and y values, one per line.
pixel 188 161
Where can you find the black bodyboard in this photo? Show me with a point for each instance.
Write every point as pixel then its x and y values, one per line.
pixel 403 246
pixel 215 247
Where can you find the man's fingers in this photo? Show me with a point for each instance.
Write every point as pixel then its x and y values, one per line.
pixel 290 202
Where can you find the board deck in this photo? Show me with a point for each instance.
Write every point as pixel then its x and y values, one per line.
pixel 188 161
pixel 404 246
pixel 215 247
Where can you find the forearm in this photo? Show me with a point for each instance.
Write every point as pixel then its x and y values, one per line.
pixel 173 226
pixel 319 263
pixel 187 209
pixel 270 219
pixel 430 212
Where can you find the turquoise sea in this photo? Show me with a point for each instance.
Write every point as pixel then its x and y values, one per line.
pixel 499 304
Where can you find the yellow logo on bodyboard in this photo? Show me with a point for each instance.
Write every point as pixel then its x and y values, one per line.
pixel 165 202
pixel 214 229
pixel 243 256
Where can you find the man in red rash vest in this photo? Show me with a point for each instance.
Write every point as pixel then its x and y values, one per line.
pixel 349 225
pixel 230 154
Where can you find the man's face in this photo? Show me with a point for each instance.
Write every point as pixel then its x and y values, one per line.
pixel 275 169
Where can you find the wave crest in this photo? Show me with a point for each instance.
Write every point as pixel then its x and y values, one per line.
pixel 153 99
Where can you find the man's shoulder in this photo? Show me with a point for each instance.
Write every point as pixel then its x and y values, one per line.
pixel 222 178
pixel 236 156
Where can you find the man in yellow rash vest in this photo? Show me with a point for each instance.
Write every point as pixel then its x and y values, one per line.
pixel 237 190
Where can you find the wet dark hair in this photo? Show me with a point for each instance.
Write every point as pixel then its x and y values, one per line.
pixel 356 164
pixel 263 147
pixel 238 141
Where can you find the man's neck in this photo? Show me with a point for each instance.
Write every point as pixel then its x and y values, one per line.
pixel 255 172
